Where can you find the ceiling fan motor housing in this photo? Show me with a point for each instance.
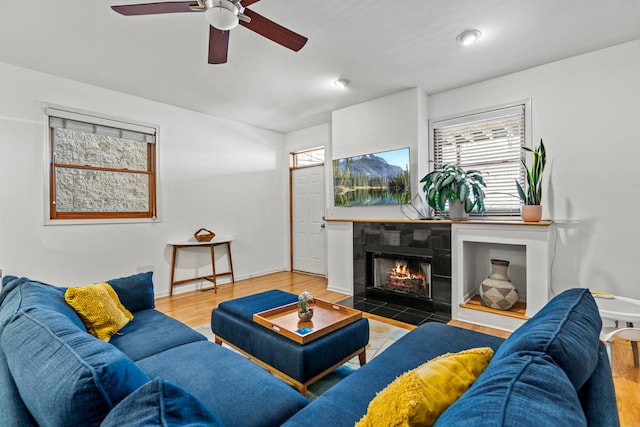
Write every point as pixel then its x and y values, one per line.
pixel 222 14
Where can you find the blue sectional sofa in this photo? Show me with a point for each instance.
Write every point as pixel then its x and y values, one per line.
pixel 155 371
pixel 552 371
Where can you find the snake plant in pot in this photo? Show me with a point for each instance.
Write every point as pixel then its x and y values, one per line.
pixel 463 189
pixel 531 194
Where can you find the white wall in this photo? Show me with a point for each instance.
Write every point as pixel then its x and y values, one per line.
pixel 304 139
pixel 586 110
pixel 213 173
pixel 387 123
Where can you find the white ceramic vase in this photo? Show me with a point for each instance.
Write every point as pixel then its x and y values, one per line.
pixel 456 211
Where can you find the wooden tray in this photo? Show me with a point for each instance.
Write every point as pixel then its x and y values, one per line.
pixel 327 317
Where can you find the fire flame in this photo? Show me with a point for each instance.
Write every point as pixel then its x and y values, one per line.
pixel 401 271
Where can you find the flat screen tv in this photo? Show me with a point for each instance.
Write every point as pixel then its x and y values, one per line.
pixel 372 179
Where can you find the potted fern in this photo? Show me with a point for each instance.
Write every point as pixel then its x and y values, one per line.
pixel 531 194
pixel 463 189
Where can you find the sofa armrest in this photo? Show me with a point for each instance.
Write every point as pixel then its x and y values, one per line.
pixel 598 397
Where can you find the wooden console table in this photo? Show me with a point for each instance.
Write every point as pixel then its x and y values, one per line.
pixel 211 245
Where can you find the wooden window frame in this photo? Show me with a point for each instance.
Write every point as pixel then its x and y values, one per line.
pixel 151 171
pixel 293 163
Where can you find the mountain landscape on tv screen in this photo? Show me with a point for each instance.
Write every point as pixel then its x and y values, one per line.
pixel 370 165
pixel 371 179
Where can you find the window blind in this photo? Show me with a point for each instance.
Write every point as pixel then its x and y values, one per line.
pixel 490 142
pixel 61 119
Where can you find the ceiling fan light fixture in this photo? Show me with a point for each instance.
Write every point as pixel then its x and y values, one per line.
pixel 222 14
pixel 342 83
pixel 468 37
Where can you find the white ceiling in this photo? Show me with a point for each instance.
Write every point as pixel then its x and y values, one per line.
pixel 382 46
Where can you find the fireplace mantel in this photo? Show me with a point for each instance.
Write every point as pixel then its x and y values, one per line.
pixel 492 221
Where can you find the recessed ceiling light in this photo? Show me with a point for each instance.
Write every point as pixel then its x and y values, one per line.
pixel 468 37
pixel 342 83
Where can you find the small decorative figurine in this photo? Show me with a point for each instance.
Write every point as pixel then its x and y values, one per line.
pixel 305 306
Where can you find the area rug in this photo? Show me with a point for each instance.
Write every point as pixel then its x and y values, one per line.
pixel 381 336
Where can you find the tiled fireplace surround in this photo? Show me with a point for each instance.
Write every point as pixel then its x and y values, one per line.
pixel 428 245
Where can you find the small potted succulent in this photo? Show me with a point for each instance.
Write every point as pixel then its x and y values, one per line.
pixel 531 194
pixel 463 189
pixel 306 303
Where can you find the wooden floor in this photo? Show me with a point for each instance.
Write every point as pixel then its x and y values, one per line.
pixel 194 309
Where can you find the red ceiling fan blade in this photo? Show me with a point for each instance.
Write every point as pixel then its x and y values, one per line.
pixel 246 3
pixel 155 8
pixel 275 32
pixel 218 45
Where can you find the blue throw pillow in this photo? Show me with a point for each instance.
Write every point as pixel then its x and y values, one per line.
pixel 65 376
pixel 135 292
pixel 567 329
pixel 160 403
pixel 524 389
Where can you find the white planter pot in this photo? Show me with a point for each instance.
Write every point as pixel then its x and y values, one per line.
pixel 456 211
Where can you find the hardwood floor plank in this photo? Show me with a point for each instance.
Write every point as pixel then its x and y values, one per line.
pixel 194 309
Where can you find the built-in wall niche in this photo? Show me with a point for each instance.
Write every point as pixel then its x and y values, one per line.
pixel 477 258
pixel 527 247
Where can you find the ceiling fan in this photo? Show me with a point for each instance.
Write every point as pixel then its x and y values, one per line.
pixel 222 15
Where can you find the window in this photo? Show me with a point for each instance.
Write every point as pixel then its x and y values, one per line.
pixel 100 168
pixel 304 158
pixel 490 142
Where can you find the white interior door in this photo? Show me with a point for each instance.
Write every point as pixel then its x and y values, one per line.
pixel 307 187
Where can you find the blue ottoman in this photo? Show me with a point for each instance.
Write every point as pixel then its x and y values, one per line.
pixel 302 364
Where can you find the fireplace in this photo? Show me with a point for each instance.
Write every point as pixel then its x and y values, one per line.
pixel 401 279
pixel 404 265
pixel 402 274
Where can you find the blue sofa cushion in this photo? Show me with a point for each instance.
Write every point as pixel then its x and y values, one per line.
pixel 522 389
pixel 245 307
pixel 135 292
pixel 41 296
pixel 64 375
pixel 12 408
pixel 152 332
pixel 160 403
pixel 238 391
pixel 597 396
pixel 346 402
pixel 567 328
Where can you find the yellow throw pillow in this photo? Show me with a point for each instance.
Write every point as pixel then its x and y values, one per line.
pixel 418 397
pixel 99 308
